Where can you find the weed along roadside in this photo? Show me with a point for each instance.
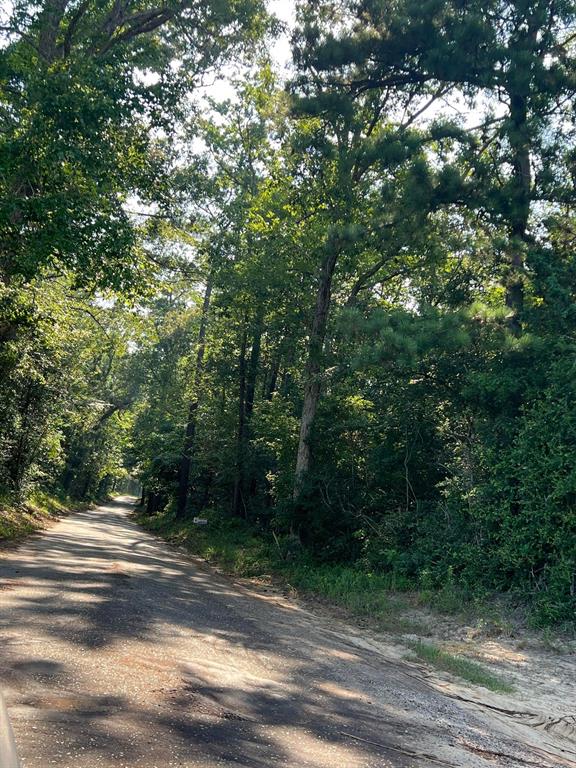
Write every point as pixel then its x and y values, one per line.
pixel 461 667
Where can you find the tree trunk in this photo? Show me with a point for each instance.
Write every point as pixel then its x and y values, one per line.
pixel 237 500
pixel 152 504
pixel 186 458
pixel 270 384
pixel 520 143
pixel 314 366
pixel 50 21
pixel 520 210
pixel 254 363
pixel 249 480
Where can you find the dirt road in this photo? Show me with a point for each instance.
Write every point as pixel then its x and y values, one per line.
pixel 116 650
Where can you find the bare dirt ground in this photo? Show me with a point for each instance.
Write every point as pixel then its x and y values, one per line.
pixel 541 668
pixel 543 676
pixel 118 651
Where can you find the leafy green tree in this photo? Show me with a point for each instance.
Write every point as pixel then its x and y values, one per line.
pixel 342 310
pixel 83 86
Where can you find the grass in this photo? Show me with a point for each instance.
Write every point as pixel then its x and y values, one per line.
pixel 19 520
pixel 229 543
pixel 458 666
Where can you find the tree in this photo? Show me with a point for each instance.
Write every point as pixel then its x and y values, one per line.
pixel 85 88
pixel 350 316
pixel 513 60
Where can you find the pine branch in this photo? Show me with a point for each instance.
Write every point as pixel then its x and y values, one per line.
pixel 362 283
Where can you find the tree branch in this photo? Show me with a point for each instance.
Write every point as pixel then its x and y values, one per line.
pixel 140 24
pixel 362 282
pixel 66 44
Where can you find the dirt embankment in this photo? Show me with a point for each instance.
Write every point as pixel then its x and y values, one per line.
pixel 37 513
pixel 540 710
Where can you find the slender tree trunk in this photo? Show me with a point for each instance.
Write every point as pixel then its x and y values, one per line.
pixel 520 213
pixel 237 500
pixel 270 384
pixel 314 366
pixel 19 461
pixel 249 480
pixel 186 459
pixel 519 136
pixel 86 485
pixel 254 363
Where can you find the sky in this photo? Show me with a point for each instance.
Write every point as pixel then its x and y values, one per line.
pixel 285 11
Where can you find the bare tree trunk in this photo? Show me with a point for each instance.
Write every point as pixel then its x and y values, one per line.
pixel 186 459
pixel 254 363
pixel 248 482
pixel 314 366
pixel 237 500
pixel 519 136
pixel 50 21
pixel 520 213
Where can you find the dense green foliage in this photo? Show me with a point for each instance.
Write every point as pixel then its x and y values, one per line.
pixel 341 308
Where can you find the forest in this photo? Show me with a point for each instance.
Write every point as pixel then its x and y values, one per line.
pixel 330 300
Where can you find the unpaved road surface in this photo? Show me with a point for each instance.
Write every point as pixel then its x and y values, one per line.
pixel 118 651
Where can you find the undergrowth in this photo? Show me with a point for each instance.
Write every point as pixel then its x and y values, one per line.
pixel 243 550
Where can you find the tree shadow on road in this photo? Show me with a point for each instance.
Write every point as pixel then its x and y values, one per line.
pixel 142 654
